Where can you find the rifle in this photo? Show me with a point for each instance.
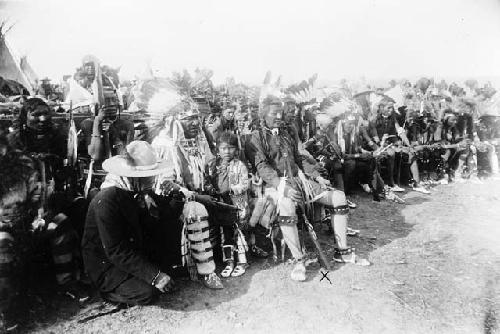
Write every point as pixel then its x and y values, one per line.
pixel 314 238
pixel 417 148
pixel 337 153
pixel 220 201
pixel 382 150
pixel 329 145
pixel 217 200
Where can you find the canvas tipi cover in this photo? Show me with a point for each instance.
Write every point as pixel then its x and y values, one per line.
pixel 10 65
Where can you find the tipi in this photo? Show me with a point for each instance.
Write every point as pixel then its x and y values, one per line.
pixel 12 67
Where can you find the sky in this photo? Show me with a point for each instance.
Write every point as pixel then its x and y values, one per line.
pixel 244 39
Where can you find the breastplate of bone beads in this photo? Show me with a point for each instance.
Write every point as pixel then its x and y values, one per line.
pixel 191 146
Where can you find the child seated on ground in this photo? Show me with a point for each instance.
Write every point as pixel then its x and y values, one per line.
pixel 228 177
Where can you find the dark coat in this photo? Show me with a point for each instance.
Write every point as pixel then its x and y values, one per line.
pixel 384 125
pixel 54 142
pixel 113 243
pixel 274 156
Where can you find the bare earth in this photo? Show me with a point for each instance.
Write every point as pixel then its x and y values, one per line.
pixel 435 269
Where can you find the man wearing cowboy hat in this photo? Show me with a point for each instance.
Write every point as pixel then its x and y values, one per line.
pixel 114 246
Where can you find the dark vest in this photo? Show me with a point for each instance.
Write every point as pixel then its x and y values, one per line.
pixel 385 126
pixel 465 126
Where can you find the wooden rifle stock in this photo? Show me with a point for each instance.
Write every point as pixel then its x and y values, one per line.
pixel 418 148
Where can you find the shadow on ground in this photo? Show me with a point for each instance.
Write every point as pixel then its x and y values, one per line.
pixel 380 223
pixel 42 304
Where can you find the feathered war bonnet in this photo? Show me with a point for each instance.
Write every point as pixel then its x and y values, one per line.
pixel 169 106
pixel 337 105
pixel 166 108
pixel 268 102
pixel 167 102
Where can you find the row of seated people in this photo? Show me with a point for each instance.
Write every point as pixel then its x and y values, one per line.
pixel 131 237
pixel 206 193
pixel 379 153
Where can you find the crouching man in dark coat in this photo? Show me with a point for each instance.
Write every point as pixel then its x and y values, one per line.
pixel 115 241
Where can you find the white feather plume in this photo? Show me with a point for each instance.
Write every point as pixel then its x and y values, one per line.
pixel 163 101
pixel 340 107
pixel 396 93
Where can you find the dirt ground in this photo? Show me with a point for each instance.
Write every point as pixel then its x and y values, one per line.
pixel 435 269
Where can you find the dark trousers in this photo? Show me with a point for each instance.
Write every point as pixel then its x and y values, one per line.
pixel 365 171
pixel 221 218
pixel 162 246
pixel 388 159
pixel 335 171
pixel 132 291
pixel 344 176
pixel 229 233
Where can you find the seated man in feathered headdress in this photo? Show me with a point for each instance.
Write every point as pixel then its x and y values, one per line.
pixel 459 134
pixel 385 131
pixel 340 147
pixel 275 155
pixel 182 141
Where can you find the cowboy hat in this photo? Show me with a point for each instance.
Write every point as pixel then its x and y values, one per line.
pixel 139 161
